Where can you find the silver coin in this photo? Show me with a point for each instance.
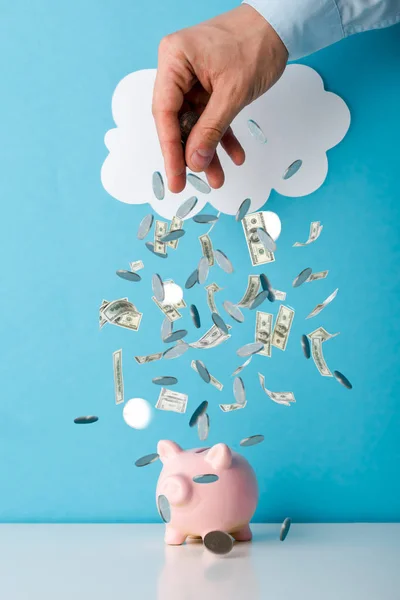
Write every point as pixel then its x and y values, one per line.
pixel 164 508
pixel 203 218
pixel 220 323
pixel 256 131
pixel 150 246
pixel 302 277
pixel 250 349
pixel 165 380
pixel 203 427
pixel 145 226
pixel 259 299
pixel 233 311
pixel 342 379
pixel 192 279
pixel 243 209
pixel 252 440
pixel 186 123
pixel 202 371
pixel 239 390
pixel 195 316
pixel 199 184
pixel 223 261
pixel 266 240
pixel 158 186
pixel 86 420
pixel 128 275
pixel 166 328
pixel 305 344
pixel 285 529
pixel 292 169
pixel 158 287
pixel 186 207
pixel 200 410
pixel 218 542
pixel 175 336
pixel 176 351
pixel 202 270
pixel 206 478
pixel 265 284
pixel 172 235
pixel 271 296
pixel 147 460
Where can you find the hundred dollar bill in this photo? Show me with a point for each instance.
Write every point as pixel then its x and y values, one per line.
pixel 263 331
pixel 284 398
pixel 213 380
pixel 279 295
pixel 136 265
pixel 169 310
pixel 243 366
pixel 207 248
pixel 321 306
pixel 211 289
pixel 253 285
pixel 171 400
pixel 282 327
pixel 159 231
pixel 175 224
pixel 129 320
pixel 318 357
pixel 316 276
pixel 315 232
pixel 258 254
pixel 181 303
pixel 322 333
pixel 213 337
pixel 231 407
pixel 104 304
pixel 118 377
pixel 121 312
pixel 142 360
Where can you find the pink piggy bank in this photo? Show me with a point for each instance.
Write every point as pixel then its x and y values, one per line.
pixel 193 509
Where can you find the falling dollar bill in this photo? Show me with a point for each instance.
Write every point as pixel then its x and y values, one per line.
pixel 207 248
pixel 316 276
pixel 315 232
pixel 263 331
pixel 243 366
pixel 258 254
pixel 142 360
pixel 213 337
pixel 322 333
pixel 211 289
pixel 159 231
pixel 129 320
pixel 118 377
pixel 282 327
pixel 231 407
pixel 172 401
pixel 318 357
pixel 321 307
pixel 175 224
pixel 284 398
pixel 136 265
pixel 281 296
pixel 169 310
pixel 120 312
pixel 213 380
pixel 251 292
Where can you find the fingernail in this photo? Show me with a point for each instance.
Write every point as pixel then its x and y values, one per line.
pixel 202 158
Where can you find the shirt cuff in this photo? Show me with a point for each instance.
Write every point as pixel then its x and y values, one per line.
pixel 304 26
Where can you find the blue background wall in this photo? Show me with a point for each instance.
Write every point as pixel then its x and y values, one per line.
pixel 333 456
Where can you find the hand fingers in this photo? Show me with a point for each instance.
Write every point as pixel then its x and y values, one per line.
pixel 233 147
pixel 214 172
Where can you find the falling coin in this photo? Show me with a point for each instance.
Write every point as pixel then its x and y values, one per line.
pixel 265 284
pixel 195 316
pixel 285 529
pixel 252 440
pixel 198 183
pixel 202 270
pixel 166 328
pixel 192 279
pixel 147 460
pixel 239 391
pixel 164 508
pixel 206 478
pixel 203 426
pixel 243 209
pixel 176 351
pixel 128 275
pixel 203 218
pixel 165 380
pixel 256 131
pixel 302 277
pixel 250 349
pixel 259 299
pixel 186 123
pixel 150 246
pixel 292 169
pixel 266 240
pixel 218 542
pixel 145 226
pixel 305 344
pixel 220 323
pixel 342 379
pixel 158 287
pixel 186 207
pixel 202 371
pixel 172 235
pixel 200 410
pixel 271 296
pixel 175 336
pixel 158 186
pixel 223 261
pixel 86 420
pixel 233 311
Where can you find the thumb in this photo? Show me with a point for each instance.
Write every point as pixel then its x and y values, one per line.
pixel 209 129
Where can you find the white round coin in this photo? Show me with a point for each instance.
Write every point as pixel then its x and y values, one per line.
pixel 173 293
pixel 137 413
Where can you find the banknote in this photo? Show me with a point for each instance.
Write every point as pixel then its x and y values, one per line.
pixel 241 367
pixel 263 331
pixel 129 320
pixel 284 398
pixel 160 230
pixel 169 310
pixel 136 265
pixel 258 254
pixel 118 377
pixel 207 248
pixel 175 224
pixel 316 276
pixel 322 333
pixel 281 296
pixel 231 407
pixel 213 337
pixel 318 357
pixel 116 308
pixel 315 232
pixel 213 380
pixel 211 289
pixel 321 306
pixel 253 285
pixel 171 400
pixel 282 327
pixel 142 360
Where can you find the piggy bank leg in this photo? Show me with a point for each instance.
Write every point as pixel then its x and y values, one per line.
pixel 174 537
pixel 243 534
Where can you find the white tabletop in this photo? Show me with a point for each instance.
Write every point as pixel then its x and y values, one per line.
pixel 131 562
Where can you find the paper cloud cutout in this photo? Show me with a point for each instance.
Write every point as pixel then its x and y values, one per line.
pixel 300 119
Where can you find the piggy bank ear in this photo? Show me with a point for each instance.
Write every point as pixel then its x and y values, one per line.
pixel 219 457
pixel 166 449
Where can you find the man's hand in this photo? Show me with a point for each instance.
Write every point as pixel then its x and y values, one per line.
pixel 215 68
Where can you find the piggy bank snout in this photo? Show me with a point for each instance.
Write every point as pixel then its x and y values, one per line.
pixel 177 489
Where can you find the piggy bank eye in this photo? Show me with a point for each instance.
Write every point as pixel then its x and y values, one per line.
pixel 164 508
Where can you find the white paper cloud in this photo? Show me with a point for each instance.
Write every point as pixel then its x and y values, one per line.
pixel 298 116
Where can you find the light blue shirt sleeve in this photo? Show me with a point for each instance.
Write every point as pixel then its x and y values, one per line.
pixel 306 26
